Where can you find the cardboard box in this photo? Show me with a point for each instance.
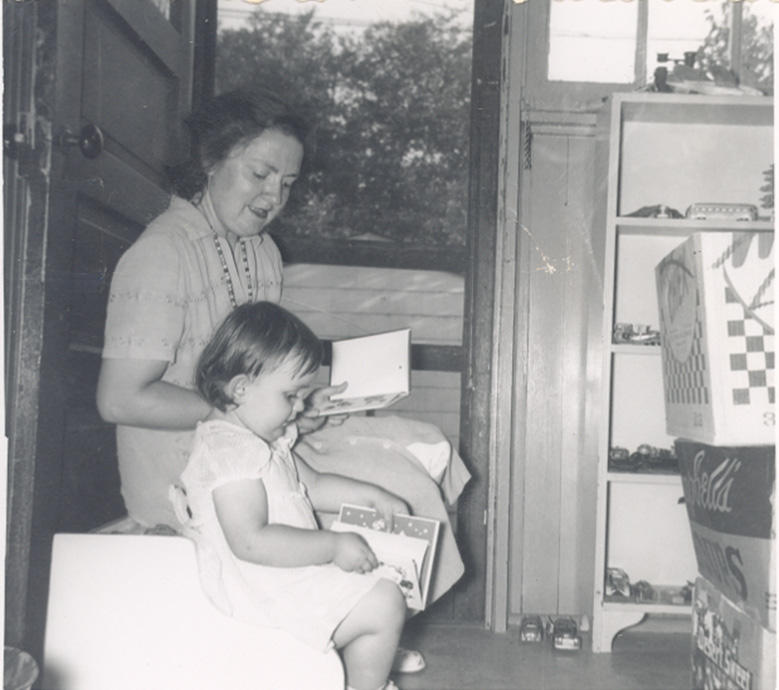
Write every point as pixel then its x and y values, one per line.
pixel 730 649
pixel 715 294
pixel 729 495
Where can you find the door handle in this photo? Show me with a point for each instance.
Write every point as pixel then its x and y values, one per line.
pixel 89 140
pixel 13 140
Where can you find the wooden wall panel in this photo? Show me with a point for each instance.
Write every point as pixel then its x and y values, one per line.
pixel 343 301
pixel 552 507
pixel 578 460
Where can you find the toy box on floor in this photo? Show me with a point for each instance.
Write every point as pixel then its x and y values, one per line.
pixel 730 649
pixel 728 492
pixel 715 295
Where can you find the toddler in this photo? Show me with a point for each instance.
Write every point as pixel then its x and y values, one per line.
pixel 248 502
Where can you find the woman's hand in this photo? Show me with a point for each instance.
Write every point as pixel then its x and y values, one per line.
pixel 353 554
pixel 309 420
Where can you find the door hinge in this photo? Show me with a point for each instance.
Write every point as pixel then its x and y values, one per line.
pixel 527 145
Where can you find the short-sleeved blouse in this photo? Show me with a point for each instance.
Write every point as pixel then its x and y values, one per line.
pixel 309 601
pixel 167 296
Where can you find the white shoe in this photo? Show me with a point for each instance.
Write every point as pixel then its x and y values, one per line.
pixel 408 661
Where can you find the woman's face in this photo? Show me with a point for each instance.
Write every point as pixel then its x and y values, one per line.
pixel 250 187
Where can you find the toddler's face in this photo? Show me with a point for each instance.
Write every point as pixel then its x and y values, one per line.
pixel 271 401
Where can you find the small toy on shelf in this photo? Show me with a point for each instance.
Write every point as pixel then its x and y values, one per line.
pixel 767 200
pixel 684 77
pixel 531 629
pixel 635 334
pixel 645 458
pixel 619 460
pixel 684 596
pixel 651 459
pixel 655 211
pixel 715 211
pixel 617 583
pixel 643 591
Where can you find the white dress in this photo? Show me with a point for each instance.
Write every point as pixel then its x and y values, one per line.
pixel 311 601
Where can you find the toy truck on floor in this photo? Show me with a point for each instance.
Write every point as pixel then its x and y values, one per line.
pixel 565 634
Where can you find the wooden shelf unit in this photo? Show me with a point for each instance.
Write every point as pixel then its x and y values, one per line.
pixel 674 150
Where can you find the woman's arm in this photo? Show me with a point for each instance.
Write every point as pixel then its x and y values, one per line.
pixel 131 392
pixel 328 491
pixel 242 510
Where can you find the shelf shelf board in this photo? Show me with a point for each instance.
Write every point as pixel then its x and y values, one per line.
pixel 647 607
pixel 643 478
pixel 687 109
pixel 662 604
pixel 685 226
pixel 623 349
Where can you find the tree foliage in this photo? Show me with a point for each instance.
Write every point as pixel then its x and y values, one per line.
pixel 391 110
pixel 757 46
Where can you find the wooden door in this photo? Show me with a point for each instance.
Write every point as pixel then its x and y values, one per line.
pixel 111 80
pixel 557 303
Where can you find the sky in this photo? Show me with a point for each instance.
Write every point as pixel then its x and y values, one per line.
pixel 602 35
pixel 346 12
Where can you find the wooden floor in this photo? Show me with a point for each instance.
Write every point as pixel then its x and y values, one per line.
pixel 650 656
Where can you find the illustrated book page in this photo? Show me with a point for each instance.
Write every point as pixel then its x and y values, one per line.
pixel 407 554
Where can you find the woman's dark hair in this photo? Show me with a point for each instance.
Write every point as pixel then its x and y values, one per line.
pixel 254 338
pixel 224 122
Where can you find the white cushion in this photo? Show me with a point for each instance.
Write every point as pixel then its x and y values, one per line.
pixel 127 612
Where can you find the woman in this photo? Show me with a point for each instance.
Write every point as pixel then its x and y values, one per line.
pixel 206 254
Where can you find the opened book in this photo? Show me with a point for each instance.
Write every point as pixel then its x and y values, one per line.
pixel 406 554
pixel 376 368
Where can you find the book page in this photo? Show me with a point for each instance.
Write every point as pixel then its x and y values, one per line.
pixel 400 558
pixel 405 527
pixel 377 369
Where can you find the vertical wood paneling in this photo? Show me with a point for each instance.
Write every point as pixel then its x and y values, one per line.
pixel 558 491
pixel 547 259
pixel 578 459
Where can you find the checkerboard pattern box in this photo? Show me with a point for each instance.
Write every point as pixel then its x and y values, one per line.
pixel 716 299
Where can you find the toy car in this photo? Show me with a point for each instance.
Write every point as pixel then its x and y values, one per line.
pixel 566 635
pixel 617 582
pixel 722 212
pixel 642 591
pixel 531 629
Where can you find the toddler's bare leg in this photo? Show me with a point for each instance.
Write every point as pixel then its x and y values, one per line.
pixel 368 637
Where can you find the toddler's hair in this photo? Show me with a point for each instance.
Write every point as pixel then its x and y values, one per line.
pixel 252 339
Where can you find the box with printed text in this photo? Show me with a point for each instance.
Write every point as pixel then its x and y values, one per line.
pixel 729 496
pixel 716 301
pixel 730 649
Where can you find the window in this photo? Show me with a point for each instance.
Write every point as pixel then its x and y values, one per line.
pixel 375 230
pixel 601 36
pixel 388 86
pixel 625 42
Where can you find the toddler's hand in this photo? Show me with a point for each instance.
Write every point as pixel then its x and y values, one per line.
pixel 353 554
pixel 388 505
